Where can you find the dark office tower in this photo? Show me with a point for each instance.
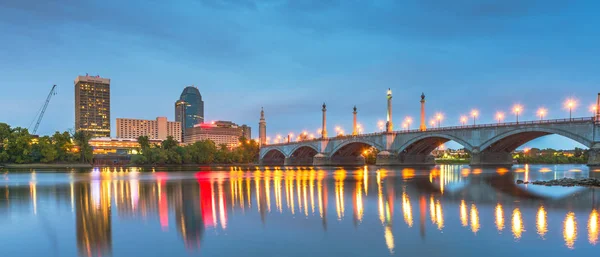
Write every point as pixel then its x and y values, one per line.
pixel 189 109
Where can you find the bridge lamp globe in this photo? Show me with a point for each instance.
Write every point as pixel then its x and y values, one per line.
pixel 474 114
pixel 570 104
pixel 517 109
pixel 439 117
pixel 593 108
pixel 432 122
pixel 499 116
pixel 463 120
pixel 542 113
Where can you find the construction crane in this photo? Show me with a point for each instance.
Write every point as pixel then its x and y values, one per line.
pixel 43 110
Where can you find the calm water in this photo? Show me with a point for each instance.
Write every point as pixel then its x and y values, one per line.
pixel 448 211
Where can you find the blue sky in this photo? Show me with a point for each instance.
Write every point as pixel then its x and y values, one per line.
pixel 291 56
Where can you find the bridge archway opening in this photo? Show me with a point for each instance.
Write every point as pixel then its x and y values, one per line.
pixel 350 154
pixel 302 156
pixel 532 147
pixel 427 149
pixel 273 157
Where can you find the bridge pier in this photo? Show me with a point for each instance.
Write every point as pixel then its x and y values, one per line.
pixel 491 159
pixel 323 160
pixel 594 155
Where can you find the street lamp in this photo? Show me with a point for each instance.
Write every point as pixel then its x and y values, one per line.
pixel 474 114
pixel 499 116
pixel 570 104
pixel 517 109
pixel 381 125
pixel 408 121
pixel 405 126
pixel 432 122
pixel 542 113
pixel 463 120
pixel 439 117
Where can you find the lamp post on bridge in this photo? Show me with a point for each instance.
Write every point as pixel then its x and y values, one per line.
pixel 570 104
pixel 542 113
pixel 517 110
pixel 474 114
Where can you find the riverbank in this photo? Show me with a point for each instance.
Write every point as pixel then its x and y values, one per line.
pixel 45 165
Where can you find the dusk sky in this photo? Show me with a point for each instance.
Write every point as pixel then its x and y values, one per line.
pixel 291 56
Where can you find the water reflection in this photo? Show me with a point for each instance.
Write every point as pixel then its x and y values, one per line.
pixel 191 204
pixel 541 222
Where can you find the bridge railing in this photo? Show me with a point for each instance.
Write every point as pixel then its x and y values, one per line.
pixel 488 125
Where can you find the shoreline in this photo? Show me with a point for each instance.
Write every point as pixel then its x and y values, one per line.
pixel 45 165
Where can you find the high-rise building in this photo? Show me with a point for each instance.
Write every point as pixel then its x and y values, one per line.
pixel 92 105
pixel 246 131
pixel 220 132
pixel 158 129
pixel 189 109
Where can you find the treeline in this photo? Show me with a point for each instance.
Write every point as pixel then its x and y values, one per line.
pixel 552 156
pixel 17 145
pixel 202 152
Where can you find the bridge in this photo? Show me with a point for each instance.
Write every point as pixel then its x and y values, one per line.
pixel 489 144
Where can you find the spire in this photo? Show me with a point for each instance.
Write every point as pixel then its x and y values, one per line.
pixel 262 113
pixel 355 108
pixel 324 107
pixel 423 96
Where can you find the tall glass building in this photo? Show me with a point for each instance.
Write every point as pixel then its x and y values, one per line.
pixel 189 109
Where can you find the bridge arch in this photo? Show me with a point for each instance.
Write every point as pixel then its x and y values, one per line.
pixel 350 152
pixel 425 144
pixel 357 142
pixel 273 156
pixel 302 155
pixel 511 140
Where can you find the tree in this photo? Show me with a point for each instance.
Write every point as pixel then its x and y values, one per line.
pixel 169 143
pixel 144 142
pixel 82 140
pixel 18 146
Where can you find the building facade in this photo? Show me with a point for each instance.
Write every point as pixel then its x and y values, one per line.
pixel 158 129
pixel 189 109
pixel 92 105
pixel 220 132
pixel 246 131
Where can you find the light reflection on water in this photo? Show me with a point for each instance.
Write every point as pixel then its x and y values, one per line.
pixel 310 211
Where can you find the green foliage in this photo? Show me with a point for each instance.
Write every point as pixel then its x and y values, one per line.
pixel 18 146
pixel 144 142
pixel 551 156
pixel 82 141
pixel 201 152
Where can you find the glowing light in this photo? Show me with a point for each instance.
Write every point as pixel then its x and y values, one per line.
pixel 499 217
pixel 517 224
pixel 389 239
pixel 499 116
pixel 517 109
pixel 463 214
pixel 381 125
pixel 439 116
pixel 542 222
pixel 463 119
pixel 593 108
pixel 407 209
pixel 474 219
pixel 432 122
pixel 570 103
pixel 570 230
pixel 542 113
pixel 439 215
pixel 474 113
pixel 593 227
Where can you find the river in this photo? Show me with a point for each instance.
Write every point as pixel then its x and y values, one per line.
pixel 451 210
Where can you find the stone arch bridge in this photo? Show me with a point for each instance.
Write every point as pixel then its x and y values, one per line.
pixel 489 144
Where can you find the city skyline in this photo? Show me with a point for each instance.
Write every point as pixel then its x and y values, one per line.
pixel 490 55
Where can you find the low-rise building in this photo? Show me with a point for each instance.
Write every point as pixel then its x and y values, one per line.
pixel 220 132
pixel 158 129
